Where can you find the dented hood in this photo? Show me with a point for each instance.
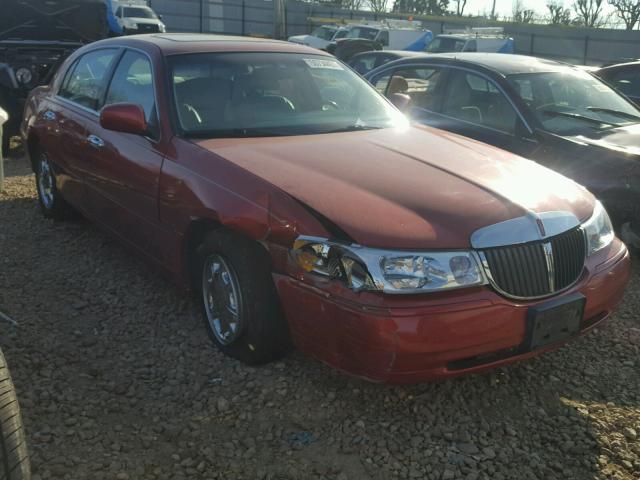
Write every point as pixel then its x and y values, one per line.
pixel 412 188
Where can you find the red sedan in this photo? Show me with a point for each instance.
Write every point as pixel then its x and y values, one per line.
pixel 304 210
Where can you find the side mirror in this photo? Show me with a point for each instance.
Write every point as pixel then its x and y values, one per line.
pixel 124 117
pixel 400 100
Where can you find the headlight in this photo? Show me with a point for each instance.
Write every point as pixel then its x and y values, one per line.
pixel 162 28
pixel 598 230
pixel 390 271
pixel 128 23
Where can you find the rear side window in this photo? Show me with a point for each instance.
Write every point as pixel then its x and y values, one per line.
pixel 132 82
pixel 86 84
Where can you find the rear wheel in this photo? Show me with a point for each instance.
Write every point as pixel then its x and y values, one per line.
pixel 51 202
pixel 239 302
pixel 14 458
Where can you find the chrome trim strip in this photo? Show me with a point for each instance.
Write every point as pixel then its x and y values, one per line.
pixel 528 228
pixel 551 268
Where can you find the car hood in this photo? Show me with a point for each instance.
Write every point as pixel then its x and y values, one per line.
pixel 405 188
pixel 621 139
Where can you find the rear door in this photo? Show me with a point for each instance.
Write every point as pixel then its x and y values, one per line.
pixel 66 115
pixel 124 169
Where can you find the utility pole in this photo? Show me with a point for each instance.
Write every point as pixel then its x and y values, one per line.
pixel 493 10
pixel 279 19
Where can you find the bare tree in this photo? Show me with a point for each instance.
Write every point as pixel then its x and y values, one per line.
pixel 521 14
pixel 589 12
pixel 460 4
pixel 378 6
pixel 628 11
pixel 558 15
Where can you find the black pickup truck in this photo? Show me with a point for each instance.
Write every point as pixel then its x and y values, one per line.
pixel 35 38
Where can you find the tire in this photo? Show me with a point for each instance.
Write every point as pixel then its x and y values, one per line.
pixel 14 458
pixel 51 202
pixel 261 332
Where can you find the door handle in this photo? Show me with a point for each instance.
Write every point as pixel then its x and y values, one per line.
pixel 95 141
pixel 49 116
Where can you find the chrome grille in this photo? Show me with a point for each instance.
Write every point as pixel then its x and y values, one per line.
pixel 539 268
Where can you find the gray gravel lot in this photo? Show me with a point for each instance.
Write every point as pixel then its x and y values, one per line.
pixel 118 380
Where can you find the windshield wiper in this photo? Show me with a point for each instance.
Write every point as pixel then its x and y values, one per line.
pixel 354 128
pixel 577 116
pixel 233 133
pixel 620 113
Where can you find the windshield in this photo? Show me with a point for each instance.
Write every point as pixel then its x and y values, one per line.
pixel 138 12
pixel 573 102
pixel 362 32
pixel 272 94
pixel 445 45
pixel 325 33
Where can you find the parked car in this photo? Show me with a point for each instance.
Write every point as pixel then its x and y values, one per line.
pixel 321 36
pixel 553 113
pixel 364 38
pixel 302 206
pixel 34 40
pixel 474 40
pixel 623 77
pixel 364 62
pixel 133 17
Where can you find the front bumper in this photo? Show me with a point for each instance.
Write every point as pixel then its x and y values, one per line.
pixel 415 338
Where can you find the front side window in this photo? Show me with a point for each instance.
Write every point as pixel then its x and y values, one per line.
pixel 86 84
pixel 627 80
pixel 132 82
pixel 420 84
pixel 272 94
pixel 572 102
pixel 475 99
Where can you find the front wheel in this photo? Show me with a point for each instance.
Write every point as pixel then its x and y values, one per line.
pixel 14 459
pixel 238 299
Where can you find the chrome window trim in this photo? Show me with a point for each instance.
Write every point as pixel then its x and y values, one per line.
pixel 458 67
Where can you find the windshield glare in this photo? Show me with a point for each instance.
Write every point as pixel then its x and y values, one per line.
pixel 572 102
pixel 273 94
pixel 445 45
pixel 138 12
pixel 324 33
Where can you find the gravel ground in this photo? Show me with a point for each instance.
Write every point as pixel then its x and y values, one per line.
pixel 118 380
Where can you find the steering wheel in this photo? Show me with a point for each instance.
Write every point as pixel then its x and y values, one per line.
pixel 193 112
pixel 330 105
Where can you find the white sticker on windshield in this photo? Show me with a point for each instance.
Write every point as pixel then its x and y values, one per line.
pixel 322 63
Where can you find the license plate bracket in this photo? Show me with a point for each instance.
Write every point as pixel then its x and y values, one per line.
pixel 554 321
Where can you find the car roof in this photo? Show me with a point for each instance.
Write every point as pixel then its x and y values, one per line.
pixel 503 63
pixel 177 43
pixel 616 66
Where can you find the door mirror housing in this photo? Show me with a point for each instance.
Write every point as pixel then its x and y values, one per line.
pixel 124 117
pixel 400 100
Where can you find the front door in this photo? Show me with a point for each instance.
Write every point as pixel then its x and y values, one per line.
pixel 125 168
